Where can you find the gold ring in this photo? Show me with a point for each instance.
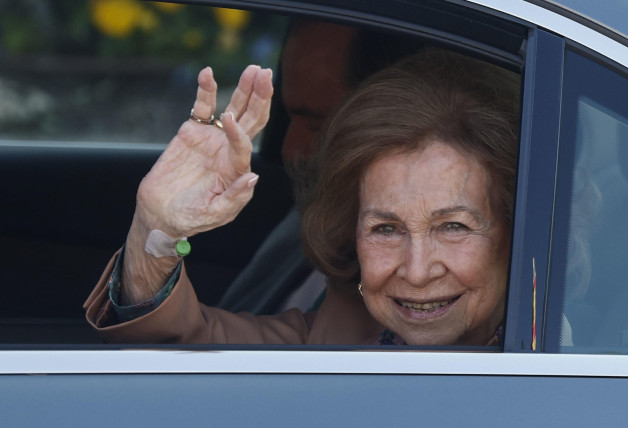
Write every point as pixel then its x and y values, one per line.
pixel 210 121
pixel 218 123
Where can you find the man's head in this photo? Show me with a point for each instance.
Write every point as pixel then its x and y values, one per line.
pixel 314 72
pixel 321 64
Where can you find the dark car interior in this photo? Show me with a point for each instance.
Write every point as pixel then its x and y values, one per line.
pixel 68 212
pixel 68 208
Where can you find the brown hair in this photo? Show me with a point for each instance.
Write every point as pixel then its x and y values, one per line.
pixel 435 94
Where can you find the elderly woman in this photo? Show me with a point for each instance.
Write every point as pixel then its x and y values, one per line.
pixel 412 209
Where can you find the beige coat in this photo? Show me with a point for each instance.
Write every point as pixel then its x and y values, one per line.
pixel 341 319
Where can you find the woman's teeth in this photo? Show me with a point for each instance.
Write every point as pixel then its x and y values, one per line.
pixel 425 307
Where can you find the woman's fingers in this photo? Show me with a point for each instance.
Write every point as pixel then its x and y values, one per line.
pixel 257 111
pixel 205 104
pixel 239 143
pixel 250 102
pixel 233 200
pixel 204 160
pixel 242 93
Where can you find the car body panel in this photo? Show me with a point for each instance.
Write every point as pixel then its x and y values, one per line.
pixel 608 14
pixel 562 25
pixel 271 400
pixel 310 388
pixel 360 360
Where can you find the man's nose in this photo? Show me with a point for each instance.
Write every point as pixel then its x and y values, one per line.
pixel 420 262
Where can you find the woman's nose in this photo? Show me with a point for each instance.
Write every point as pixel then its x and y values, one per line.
pixel 420 262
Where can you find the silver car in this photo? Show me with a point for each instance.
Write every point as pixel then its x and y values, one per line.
pixel 563 362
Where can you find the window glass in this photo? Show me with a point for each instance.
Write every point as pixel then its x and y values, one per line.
pixel 593 195
pixel 119 70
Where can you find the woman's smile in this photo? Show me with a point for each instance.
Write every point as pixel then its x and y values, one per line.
pixel 433 257
pixel 426 310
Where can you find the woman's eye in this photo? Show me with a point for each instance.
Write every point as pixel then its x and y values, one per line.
pixel 454 227
pixel 384 229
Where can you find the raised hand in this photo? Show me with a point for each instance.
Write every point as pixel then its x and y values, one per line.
pixel 204 179
pixel 201 181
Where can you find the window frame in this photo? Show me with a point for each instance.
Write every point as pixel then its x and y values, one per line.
pixel 535 191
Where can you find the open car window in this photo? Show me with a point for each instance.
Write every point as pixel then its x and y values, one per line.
pixel 99 99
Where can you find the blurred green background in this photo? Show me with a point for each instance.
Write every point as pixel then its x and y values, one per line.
pixel 119 70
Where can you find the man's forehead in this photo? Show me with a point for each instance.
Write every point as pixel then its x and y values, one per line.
pixel 319 31
pixel 321 45
pixel 314 66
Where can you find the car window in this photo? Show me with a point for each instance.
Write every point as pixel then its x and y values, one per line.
pixel 90 88
pixel 592 199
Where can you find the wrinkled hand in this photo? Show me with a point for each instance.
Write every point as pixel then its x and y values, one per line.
pixel 203 179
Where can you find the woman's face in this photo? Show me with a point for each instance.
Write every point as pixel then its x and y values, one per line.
pixel 433 256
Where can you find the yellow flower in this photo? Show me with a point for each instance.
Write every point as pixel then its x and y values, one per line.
pixel 115 18
pixel 168 7
pixel 232 19
pixel 147 20
pixel 228 40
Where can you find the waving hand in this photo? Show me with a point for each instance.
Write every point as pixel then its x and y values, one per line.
pixel 201 181
pixel 204 177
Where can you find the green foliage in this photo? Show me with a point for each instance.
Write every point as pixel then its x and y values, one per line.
pixel 184 35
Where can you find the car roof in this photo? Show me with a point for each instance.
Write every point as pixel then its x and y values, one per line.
pixel 577 20
pixel 609 14
pixel 572 24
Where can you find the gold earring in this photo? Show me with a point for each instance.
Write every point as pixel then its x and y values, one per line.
pixel 360 289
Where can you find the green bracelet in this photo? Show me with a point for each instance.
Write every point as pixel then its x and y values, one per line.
pixel 160 244
pixel 182 247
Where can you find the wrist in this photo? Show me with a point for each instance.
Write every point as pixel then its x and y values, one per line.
pixel 160 244
pixel 143 274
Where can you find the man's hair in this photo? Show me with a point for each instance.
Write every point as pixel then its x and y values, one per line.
pixel 434 95
pixel 368 52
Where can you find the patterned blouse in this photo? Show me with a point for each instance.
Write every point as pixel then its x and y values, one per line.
pixel 390 338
